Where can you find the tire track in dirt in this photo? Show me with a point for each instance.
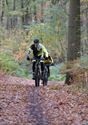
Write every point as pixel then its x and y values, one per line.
pixel 35 109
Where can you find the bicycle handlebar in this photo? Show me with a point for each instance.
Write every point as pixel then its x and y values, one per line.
pixel 52 64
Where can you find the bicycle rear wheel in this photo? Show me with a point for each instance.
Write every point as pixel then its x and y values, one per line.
pixel 45 76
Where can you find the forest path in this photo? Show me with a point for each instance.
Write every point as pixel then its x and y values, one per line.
pixel 56 104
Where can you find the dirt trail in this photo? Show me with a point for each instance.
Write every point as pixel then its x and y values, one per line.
pixel 56 104
pixel 36 110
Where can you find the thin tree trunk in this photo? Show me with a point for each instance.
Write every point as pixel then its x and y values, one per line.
pixel 2 13
pixel 8 25
pixel 15 17
pixel 26 17
pixel 22 7
pixel 86 44
pixel 35 13
pixel 42 13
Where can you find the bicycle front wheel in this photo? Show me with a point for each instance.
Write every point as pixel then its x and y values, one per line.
pixel 37 78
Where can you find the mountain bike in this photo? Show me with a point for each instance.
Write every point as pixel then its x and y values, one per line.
pixel 38 74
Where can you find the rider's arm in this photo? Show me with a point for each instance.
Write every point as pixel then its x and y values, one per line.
pixel 45 51
pixel 29 53
pixel 30 50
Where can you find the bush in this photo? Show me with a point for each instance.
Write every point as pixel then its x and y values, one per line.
pixel 55 73
pixel 7 63
pixel 10 66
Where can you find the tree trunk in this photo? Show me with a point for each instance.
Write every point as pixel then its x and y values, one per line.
pixel 73 51
pixel 14 22
pixel 2 13
pixel 42 13
pixel 22 7
pixel 35 13
pixel 26 17
pixel 8 20
pixel 86 42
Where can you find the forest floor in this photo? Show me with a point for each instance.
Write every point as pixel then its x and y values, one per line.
pixel 56 104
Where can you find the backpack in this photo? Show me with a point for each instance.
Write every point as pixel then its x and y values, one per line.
pixel 49 60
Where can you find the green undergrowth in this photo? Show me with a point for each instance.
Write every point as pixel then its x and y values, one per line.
pixel 7 63
pixel 12 67
pixel 55 73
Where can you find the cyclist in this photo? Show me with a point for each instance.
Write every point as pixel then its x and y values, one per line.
pixel 39 52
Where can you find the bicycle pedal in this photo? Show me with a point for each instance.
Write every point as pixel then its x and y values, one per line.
pixel 33 78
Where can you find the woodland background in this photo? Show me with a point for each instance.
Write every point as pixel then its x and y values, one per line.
pixel 61 25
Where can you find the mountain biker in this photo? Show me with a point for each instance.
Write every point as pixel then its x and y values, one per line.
pixel 39 52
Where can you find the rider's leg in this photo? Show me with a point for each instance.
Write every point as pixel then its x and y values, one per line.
pixel 48 70
pixel 33 69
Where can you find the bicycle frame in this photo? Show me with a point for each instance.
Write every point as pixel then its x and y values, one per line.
pixel 38 74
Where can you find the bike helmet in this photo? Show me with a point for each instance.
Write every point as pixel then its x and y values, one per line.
pixel 36 40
